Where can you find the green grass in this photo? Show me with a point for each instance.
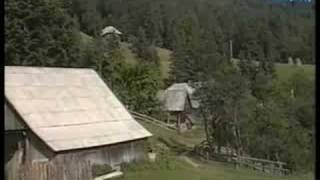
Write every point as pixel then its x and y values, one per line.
pixel 182 141
pixel 284 71
pixel 171 167
pixel 164 56
pixel 180 170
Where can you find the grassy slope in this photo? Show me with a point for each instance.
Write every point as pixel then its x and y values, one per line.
pixel 172 138
pixel 283 70
pixel 163 54
pixel 184 171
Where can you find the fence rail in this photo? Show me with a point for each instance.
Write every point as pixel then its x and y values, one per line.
pixel 261 160
pixel 152 120
pixel 264 165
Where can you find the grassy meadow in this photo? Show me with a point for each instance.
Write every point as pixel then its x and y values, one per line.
pixel 171 167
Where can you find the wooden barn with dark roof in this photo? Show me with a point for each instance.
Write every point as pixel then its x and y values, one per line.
pixel 60 116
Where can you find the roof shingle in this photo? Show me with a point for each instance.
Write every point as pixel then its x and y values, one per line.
pixel 69 108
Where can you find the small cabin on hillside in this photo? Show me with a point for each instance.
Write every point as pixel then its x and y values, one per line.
pixel 178 101
pixel 110 31
pixel 60 117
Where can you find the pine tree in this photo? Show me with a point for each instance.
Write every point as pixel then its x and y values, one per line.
pixel 39 33
pixel 89 18
pixel 144 50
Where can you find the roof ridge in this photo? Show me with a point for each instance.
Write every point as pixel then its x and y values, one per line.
pixel 53 67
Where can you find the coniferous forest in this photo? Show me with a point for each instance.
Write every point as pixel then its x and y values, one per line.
pixel 246 106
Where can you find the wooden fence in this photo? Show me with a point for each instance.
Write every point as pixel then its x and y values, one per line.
pixel 226 155
pixel 152 120
pixel 264 165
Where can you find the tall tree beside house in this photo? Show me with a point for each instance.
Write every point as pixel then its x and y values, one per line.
pixel 185 56
pixel 40 33
pixel 274 124
pixel 137 87
pixel 262 83
pixel 260 73
pixel 96 55
pixel 268 132
pixel 89 18
pixel 226 110
pixel 105 56
pixel 301 119
pixel 115 60
pixel 143 81
pixel 196 53
pixel 248 68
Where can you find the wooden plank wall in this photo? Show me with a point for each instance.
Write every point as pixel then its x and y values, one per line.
pixel 70 165
pixel 11 120
pixel 55 170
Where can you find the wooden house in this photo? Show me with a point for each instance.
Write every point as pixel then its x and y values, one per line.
pixel 179 103
pixel 63 116
pixel 109 31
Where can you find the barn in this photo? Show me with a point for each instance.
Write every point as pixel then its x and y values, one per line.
pixel 57 116
pixel 180 104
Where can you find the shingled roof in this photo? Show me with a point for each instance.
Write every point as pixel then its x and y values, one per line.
pixel 175 100
pixel 69 108
pixel 110 30
pixel 176 95
pixel 182 87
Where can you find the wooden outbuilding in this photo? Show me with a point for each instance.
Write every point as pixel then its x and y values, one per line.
pixel 110 31
pixel 63 120
pixel 179 102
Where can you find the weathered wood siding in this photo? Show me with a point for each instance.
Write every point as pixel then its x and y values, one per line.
pixel 73 169
pixel 24 151
pixel 14 142
pixel 13 153
pixel 11 120
pixel 36 149
pixel 113 155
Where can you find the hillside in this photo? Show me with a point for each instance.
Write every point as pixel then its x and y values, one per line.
pixel 173 167
pixel 163 54
pixel 284 71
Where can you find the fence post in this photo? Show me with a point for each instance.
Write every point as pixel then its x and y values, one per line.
pixel 237 162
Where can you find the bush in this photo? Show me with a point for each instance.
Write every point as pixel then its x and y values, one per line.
pixel 99 170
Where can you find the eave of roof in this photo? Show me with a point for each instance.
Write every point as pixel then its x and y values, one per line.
pixel 69 108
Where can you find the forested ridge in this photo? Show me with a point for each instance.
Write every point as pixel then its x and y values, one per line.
pixel 272 30
pixel 246 107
